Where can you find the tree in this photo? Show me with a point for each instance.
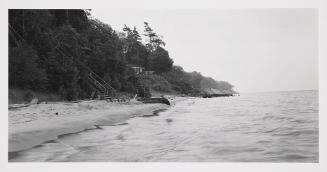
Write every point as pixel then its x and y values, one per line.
pixel 134 51
pixel 62 62
pixel 23 70
pixel 180 80
pixel 160 61
pixel 29 24
pixel 154 40
pixel 77 18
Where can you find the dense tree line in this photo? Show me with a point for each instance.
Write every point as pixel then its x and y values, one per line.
pixel 54 50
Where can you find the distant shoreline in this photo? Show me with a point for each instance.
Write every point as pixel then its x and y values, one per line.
pixel 278 91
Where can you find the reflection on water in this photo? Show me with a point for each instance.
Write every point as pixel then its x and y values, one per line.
pixel 260 127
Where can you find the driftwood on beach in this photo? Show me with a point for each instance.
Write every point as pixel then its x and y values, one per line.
pixel 216 95
pixel 155 100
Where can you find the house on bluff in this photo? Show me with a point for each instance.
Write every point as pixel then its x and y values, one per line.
pixel 141 70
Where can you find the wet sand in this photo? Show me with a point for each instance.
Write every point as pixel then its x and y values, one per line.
pixel 33 125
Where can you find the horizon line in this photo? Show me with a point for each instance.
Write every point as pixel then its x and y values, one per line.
pixel 279 91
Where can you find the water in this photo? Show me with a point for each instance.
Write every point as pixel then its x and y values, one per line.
pixel 257 127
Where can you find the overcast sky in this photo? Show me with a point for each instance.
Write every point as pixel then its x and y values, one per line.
pixel 253 49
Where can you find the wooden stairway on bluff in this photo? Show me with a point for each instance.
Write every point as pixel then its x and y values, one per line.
pixel 101 87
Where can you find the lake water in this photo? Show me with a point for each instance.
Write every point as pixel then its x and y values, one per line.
pixel 253 127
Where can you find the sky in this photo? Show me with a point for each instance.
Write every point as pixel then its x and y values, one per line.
pixel 256 50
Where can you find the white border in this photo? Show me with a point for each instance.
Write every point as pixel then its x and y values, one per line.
pixel 164 4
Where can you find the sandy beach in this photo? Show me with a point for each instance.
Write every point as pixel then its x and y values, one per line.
pixel 32 125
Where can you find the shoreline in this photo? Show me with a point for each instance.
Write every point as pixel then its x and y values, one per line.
pixel 36 124
pixel 15 154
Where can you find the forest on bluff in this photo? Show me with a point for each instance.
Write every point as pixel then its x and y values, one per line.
pixel 54 50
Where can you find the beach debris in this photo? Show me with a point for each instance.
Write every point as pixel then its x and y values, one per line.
pixel 57 113
pixel 155 100
pixel 120 137
pixel 34 101
pixel 168 120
